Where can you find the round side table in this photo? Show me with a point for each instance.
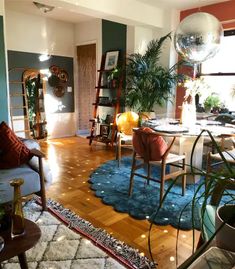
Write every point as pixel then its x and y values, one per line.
pixel 18 245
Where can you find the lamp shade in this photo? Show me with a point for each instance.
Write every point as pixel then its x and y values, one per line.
pixel 198 37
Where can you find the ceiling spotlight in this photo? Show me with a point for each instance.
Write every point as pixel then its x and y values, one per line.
pixel 43 8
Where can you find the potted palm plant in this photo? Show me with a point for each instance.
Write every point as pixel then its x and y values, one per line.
pixel 148 83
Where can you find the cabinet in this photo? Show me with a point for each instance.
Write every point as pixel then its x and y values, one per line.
pixel 106 105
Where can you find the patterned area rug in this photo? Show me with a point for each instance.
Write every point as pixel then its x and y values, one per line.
pixel 77 245
pixel 111 184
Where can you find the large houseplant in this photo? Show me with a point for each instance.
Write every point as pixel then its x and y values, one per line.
pixel 147 81
pixel 216 181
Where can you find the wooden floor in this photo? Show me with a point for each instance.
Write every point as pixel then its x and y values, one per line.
pixel 71 161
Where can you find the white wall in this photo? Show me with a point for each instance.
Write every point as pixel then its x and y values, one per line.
pixel 89 32
pixel 1 7
pixel 36 34
pixel 169 56
pixel 30 33
pixel 139 36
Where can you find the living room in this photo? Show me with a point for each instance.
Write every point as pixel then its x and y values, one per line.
pixel 29 32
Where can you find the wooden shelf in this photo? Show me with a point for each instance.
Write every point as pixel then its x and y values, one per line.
pixel 106 87
pixel 99 138
pixel 107 105
pixel 99 130
pixel 105 70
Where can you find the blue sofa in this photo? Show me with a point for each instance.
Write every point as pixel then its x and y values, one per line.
pixel 34 174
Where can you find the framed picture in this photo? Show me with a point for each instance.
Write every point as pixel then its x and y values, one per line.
pixel 111 60
pixel 104 130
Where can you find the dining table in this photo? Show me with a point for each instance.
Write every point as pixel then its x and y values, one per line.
pixel 186 137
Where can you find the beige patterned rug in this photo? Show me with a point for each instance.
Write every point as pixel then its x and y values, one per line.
pixel 70 242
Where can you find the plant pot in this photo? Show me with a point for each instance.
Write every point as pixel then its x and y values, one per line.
pixel 225 237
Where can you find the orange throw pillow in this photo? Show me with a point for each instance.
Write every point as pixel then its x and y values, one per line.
pixel 12 151
pixel 158 145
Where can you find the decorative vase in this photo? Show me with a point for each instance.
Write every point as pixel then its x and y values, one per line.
pixel 189 116
pixel 17 222
pixel 224 238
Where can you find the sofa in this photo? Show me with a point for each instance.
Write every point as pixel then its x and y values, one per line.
pixel 34 171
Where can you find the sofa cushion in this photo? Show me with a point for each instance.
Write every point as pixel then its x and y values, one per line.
pixel 13 151
pixel 30 177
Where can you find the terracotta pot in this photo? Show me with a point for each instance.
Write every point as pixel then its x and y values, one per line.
pixel 225 237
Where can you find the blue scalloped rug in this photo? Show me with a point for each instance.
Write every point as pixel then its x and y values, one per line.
pixel 111 184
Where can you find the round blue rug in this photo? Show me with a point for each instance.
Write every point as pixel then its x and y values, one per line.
pixel 111 184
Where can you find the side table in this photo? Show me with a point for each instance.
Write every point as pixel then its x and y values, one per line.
pixel 18 245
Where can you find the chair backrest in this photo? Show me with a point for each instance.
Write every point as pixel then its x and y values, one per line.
pixel 126 122
pixel 149 145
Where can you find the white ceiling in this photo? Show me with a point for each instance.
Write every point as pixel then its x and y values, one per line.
pixel 181 4
pixel 27 6
pixel 69 15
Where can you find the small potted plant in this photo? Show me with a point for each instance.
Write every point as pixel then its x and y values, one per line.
pixel 212 102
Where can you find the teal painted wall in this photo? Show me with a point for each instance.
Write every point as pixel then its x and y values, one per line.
pixel 3 78
pixel 113 38
pixel 31 60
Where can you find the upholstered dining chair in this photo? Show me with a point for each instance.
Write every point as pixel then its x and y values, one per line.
pixel 125 123
pixel 151 149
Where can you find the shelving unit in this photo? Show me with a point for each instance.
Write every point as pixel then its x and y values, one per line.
pixel 105 131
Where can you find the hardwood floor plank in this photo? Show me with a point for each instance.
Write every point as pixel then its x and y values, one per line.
pixel 72 160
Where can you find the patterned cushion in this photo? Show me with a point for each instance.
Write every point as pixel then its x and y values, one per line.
pixel 13 151
pixel 158 146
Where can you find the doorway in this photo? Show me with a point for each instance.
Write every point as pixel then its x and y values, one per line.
pixel 86 58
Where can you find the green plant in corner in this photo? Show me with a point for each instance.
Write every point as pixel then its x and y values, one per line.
pixel 147 81
pixel 216 184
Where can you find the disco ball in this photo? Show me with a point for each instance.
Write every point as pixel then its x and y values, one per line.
pixel 198 36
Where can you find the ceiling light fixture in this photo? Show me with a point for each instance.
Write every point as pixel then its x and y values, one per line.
pixel 43 8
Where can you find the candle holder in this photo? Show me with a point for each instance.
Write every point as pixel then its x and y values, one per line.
pixel 17 223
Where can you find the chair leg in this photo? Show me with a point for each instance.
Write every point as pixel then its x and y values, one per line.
pixel 132 173
pixel 118 150
pixel 148 172
pixel 183 178
pixel 42 183
pixel 163 173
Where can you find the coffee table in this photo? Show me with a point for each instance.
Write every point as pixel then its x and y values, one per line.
pixel 18 245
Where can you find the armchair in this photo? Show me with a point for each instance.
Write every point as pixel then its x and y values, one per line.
pixel 21 158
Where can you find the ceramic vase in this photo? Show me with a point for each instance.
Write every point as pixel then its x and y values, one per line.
pixel 225 237
pixel 17 222
pixel 188 117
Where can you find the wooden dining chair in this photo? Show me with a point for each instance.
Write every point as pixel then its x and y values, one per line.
pixel 215 159
pixel 151 149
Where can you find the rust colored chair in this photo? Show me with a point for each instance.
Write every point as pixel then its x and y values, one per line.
pixel 151 149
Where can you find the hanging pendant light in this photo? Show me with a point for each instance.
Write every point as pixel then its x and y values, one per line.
pixel 198 37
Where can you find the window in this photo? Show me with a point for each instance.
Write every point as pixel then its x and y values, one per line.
pixel 223 62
